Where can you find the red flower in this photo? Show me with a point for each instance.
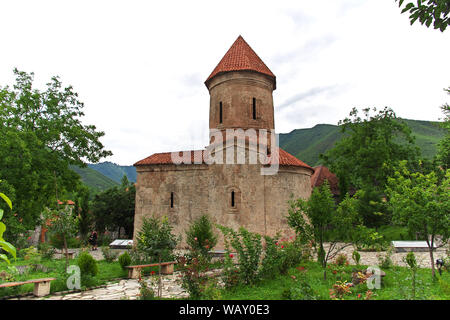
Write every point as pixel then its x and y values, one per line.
pixel 276 243
pixel 153 272
pixel 282 247
pixel 359 295
pixel 231 255
pixel 29 238
pixel 334 271
pixel 195 238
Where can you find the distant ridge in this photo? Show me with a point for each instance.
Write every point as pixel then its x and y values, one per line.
pixel 93 179
pixel 307 144
pixel 114 171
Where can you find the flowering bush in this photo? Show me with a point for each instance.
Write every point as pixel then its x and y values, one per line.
pixel 339 290
pixel 194 280
pixel 248 247
pixel 200 236
pixel 341 260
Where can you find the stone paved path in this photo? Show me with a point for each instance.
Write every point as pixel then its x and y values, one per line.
pixel 123 290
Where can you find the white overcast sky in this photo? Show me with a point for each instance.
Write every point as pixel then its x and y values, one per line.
pixel 139 66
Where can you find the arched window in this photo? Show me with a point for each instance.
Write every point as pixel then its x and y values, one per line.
pixel 171 199
pixel 233 199
pixel 220 112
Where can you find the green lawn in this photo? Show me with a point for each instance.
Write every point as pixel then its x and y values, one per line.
pixel 56 269
pixel 395 285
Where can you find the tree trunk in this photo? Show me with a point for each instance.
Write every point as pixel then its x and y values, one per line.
pixel 159 277
pixel 67 253
pixel 430 249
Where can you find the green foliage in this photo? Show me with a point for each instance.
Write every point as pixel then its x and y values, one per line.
pixel 341 260
pixel 319 218
pixel 94 180
pixel 124 260
pixel 308 144
pixel 384 260
pixel 114 208
pixel 356 256
pixel 194 280
pixel 145 292
pixel 422 203
pixel 88 265
pixel 428 12
pixel 411 260
pixel 114 171
pixel 302 290
pixel 62 222
pixel 443 156
pixel 248 248
pixel 155 239
pixel 364 157
pixel 41 135
pixel 200 236
pixel 109 254
pixel 82 211
pixel 4 245
pixel 46 250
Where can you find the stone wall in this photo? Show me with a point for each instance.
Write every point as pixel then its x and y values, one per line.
pixel 261 201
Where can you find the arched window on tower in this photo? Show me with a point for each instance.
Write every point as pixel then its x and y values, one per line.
pixel 171 199
pixel 220 112
pixel 254 109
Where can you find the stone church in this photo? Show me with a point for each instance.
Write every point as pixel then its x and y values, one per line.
pixel 224 181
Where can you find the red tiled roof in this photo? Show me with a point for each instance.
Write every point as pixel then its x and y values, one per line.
pixel 285 159
pixel 320 174
pixel 241 57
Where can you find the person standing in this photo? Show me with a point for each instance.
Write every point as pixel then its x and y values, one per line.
pixel 93 240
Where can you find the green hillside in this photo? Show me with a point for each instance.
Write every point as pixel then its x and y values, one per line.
pixel 114 171
pixel 307 144
pixel 93 179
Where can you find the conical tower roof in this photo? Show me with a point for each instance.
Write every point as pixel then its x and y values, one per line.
pixel 241 57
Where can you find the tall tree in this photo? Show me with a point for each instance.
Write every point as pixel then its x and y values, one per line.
pixel 443 156
pixel 41 134
pixel 422 203
pixel 428 11
pixel 319 220
pixel 114 208
pixel 364 157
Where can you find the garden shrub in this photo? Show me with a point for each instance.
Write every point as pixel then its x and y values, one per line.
pixel 124 260
pixel 341 260
pixel 46 250
pixel 248 247
pixel 58 242
pixel 291 254
pixel 270 265
pixel 356 256
pixel 384 260
pixel 108 254
pixel 155 241
pixel 302 291
pixel 193 267
pixel 201 237
pixel 87 264
pixel 145 292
